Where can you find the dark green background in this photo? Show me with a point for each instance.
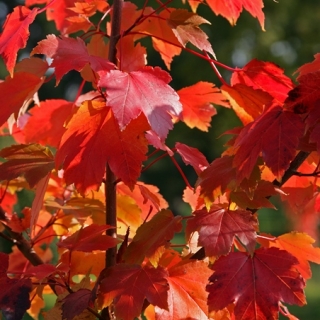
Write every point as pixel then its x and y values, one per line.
pixel 291 39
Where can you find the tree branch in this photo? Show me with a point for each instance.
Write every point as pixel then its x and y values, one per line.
pixel 110 186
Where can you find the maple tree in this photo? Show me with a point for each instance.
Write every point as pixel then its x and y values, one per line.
pixel 99 238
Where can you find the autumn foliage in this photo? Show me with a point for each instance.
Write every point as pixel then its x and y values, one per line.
pixel 96 236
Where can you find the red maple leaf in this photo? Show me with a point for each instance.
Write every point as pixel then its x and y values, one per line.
pixel 14 99
pixel 231 9
pixel 69 54
pixel 151 236
pixel 46 123
pixel 218 227
pixel 187 298
pixel 196 102
pixel 33 161
pixel 14 295
pixel 59 12
pixel 193 157
pixel 129 285
pixel 265 76
pixel 146 91
pixel 256 198
pixel 215 179
pixel 255 284
pixel 89 239
pixel 304 97
pixel 276 134
pixel 94 138
pixel 15 34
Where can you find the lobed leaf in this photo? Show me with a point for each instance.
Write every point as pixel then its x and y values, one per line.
pixel 218 228
pixel 129 285
pixel 145 91
pixel 255 284
pixel 15 34
pixel 94 138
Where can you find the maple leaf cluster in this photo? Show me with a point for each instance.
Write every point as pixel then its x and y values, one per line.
pixel 79 157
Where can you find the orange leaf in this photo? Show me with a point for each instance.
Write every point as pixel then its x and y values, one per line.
pixel 300 246
pixel 187 298
pixel 94 138
pixel 163 38
pixel 15 34
pixel 152 235
pixel 248 103
pixel 196 102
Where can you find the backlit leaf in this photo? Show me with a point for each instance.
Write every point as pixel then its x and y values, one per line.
pixel 129 285
pixel 231 9
pixel 265 76
pixel 185 26
pixel 14 99
pixel 89 239
pixel 218 227
pixel 46 123
pixel 300 245
pixel 256 284
pixel 275 134
pixel 248 103
pixel 33 161
pixel 152 235
pixel 215 179
pixel 193 157
pixel 15 34
pixel 196 102
pixel 145 91
pixel 94 138
pixel 163 38
pixel 69 54
pixel 187 298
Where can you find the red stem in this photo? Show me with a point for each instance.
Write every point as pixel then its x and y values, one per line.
pixel 181 172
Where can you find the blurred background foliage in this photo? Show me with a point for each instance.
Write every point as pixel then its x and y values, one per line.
pixel 291 39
